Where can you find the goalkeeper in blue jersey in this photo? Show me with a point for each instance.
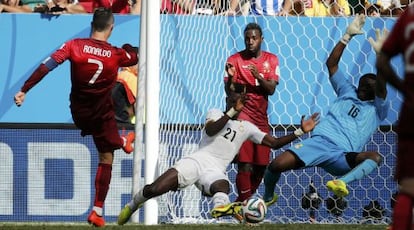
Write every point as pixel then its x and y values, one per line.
pixel 338 140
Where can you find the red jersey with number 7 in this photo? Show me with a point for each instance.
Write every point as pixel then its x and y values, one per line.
pixel 94 67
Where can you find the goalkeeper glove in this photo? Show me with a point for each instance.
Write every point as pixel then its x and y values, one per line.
pixel 354 28
pixel 377 45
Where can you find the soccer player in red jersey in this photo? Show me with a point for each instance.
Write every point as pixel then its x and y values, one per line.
pixel 117 6
pixel 258 70
pixel 94 69
pixel 401 41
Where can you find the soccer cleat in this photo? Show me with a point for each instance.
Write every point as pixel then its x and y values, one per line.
pixel 238 214
pixel 272 201
pixel 227 210
pixel 338 187
pixel 128 142
pixel 96 220
pixel 124 215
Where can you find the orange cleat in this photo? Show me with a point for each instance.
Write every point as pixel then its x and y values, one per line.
pixel 95 220
pixel 128 142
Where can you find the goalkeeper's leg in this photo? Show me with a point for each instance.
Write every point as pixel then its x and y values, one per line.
pixel 362 164
pixel 270 180
pixel 285 161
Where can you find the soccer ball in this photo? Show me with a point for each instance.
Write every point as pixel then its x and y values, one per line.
pixel 254 210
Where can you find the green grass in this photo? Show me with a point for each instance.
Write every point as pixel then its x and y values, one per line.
pixel 68 226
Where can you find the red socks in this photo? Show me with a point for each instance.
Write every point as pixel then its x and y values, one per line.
pixel 402 213
pixel 243 185
pixel 102 181
pixel 255 181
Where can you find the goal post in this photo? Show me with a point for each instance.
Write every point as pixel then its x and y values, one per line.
pixel 150 72
pixel 193 50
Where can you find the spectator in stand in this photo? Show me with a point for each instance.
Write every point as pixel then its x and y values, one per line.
pixel 394 8
pixel 210 7
pixel 373 10
pixel 117 6
pixel 170 7
pixel 61 7
pixel 258 71
pixel 259 7
pixel 54 7
pixel 124 94
pixel 32 4
pixel 136 7
pixel 177 6
pixel 327 8
pixel 14 6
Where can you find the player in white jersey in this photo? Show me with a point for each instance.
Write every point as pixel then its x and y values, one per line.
pixel 206 168
pixel 337 143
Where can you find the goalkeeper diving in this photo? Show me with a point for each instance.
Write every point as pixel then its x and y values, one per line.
pixel 337 143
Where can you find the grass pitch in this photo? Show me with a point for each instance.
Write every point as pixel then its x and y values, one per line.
pixel 67 226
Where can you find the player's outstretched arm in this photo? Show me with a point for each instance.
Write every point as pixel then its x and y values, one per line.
pixel 306 126
pixel 383 64
pixel 353 29
pixel 386 71
pixel 235 99
pixel 35 78
pixel 380 88
pixel 19 98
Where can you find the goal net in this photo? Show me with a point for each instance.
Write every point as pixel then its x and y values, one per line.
pixel 193 53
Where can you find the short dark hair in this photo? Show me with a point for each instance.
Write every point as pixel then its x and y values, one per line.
pixel 253 26
pixel 102 18
pixel 369 76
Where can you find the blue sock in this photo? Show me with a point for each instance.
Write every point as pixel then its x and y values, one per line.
pixel 270 180
pixel 361 170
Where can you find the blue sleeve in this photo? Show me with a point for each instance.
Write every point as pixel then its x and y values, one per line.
pixel 341 84
pixel 382 107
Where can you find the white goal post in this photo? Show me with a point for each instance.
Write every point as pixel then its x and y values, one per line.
pixel 192 51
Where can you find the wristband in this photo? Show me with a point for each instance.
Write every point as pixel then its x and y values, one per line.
pixel 345 39
pixel 298 132
pixel 232 112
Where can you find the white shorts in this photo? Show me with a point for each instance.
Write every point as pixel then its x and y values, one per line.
pixel 202 171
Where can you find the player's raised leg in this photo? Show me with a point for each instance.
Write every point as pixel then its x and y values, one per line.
pixel 168 181
pixel 361 164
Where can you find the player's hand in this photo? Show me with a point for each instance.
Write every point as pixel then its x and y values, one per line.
pixel 240 102
pixel 381 37
pixel 230 69
pixel 310 123
pixel 255 72
pixel 356 25
pixel 19 98
pixel 283 12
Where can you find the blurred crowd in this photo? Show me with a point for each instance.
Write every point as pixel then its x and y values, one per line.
pixel 373 8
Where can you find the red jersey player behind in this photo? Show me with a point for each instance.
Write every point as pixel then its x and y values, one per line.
pixel 94 68
pixel 258 70
pixel 401 41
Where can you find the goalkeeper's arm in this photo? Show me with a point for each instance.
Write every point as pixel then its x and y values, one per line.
pixel 353 29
